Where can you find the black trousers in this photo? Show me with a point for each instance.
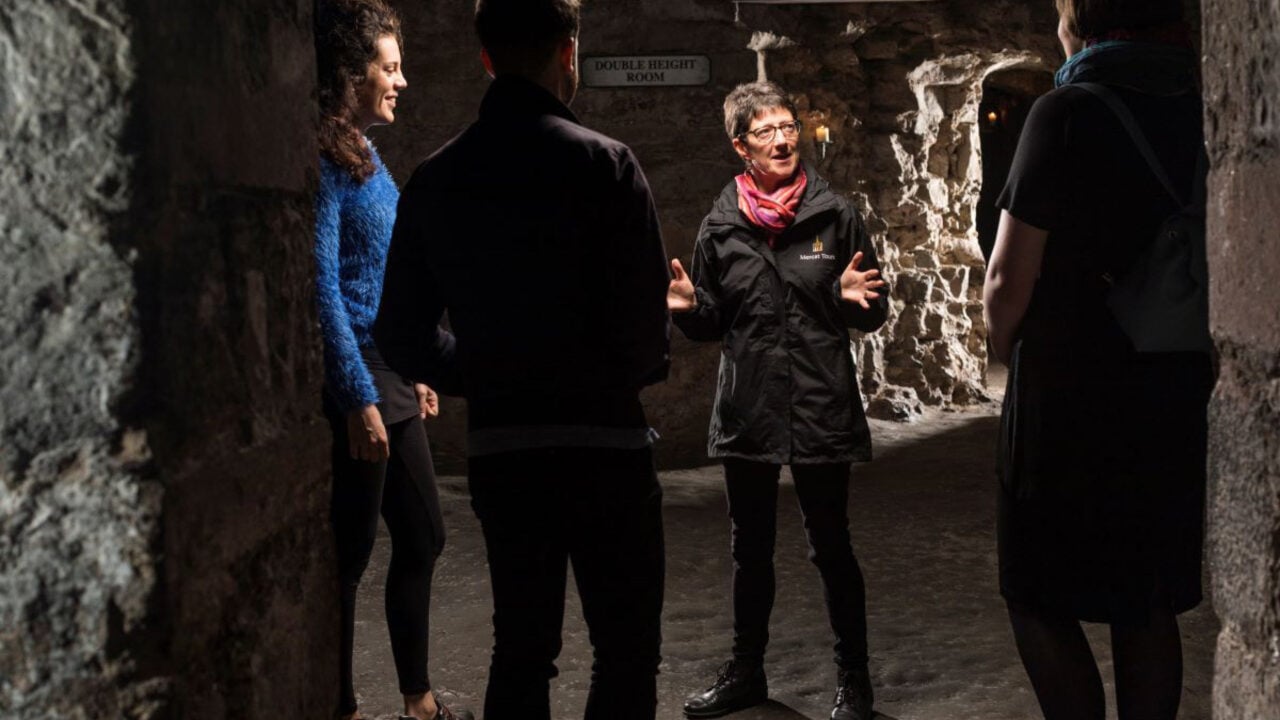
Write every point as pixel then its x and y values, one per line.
pixel 823 490
pixel 403 490
pixel 601 510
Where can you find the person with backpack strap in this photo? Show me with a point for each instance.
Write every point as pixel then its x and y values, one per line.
pixel 1096 298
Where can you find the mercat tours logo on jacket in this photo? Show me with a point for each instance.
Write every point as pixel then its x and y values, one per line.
pixel 817 252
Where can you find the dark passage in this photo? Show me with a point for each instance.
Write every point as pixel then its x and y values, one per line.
pixel 1006 99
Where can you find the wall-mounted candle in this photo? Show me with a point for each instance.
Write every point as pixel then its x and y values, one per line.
pixel 823 134
pixel 992 117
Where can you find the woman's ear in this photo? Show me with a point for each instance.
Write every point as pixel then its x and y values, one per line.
pixel 569 55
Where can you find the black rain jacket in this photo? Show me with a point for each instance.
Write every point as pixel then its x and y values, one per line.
pixel 787 389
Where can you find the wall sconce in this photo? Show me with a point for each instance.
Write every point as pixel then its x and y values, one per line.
pixel 822 136
pixel 996 116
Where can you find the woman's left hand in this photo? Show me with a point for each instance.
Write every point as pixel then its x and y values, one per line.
pixel 681 296
pixel 859 287
pixel 428 401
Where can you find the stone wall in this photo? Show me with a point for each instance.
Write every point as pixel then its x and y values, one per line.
pixel 1242 121
pixel 898 83
pixel 164 549
pixel 79 507
pixel 232 359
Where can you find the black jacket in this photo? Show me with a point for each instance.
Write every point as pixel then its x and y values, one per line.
pixel 540 238
pixel 787 390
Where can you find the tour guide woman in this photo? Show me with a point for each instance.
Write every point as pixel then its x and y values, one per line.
pixel 1103 463
pixel 381 459
pixel 782 267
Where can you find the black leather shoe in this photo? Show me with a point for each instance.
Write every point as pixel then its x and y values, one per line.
pixel 739 685
pixel 853 697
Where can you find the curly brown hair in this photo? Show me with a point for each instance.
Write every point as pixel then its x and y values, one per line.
pixel 347 34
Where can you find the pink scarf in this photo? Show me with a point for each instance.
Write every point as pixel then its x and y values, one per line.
pixel 773 212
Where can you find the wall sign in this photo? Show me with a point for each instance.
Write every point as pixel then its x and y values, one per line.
pixel 646 70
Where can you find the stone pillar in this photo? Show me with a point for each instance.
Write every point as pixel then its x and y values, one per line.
pixel 1242 104
pixel 79 508
pixel 164 548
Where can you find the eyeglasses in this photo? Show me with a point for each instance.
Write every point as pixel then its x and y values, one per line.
pixel 789 130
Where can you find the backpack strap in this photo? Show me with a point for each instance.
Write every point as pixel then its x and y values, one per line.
pixel 1122 113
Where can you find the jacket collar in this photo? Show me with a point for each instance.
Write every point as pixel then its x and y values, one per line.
pixel 818 198
pixel 514 96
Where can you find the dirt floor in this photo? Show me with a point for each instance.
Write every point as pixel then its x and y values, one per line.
pixel 922 519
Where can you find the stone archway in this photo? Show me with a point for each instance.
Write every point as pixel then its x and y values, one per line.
pixel 936 352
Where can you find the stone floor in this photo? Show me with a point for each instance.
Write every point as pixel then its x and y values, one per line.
pixel 922 519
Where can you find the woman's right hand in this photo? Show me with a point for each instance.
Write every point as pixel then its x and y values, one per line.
pixel 366 435
pixel 680 295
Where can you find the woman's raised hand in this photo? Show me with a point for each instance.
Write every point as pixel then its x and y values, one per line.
pixel 680 295
pixel 855 287
pixel 680 292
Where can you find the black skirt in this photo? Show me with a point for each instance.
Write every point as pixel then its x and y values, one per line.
pixel 1102 469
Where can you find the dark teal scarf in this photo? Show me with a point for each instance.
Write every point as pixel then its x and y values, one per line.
pixel 1149 67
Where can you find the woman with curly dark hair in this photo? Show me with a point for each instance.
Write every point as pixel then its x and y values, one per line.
pixel 381 458
pixel 1103 448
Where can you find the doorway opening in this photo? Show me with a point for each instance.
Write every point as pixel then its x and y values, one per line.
pixel 1007 96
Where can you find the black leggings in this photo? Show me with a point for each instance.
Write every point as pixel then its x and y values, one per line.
pixel 403 490
pixel 823 490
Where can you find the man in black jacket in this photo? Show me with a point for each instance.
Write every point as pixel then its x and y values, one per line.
pixel 540 238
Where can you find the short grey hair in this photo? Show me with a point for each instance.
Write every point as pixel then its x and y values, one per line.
pixel 748 100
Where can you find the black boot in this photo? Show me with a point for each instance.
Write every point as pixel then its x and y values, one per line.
pixel 853 696
pixel 739 685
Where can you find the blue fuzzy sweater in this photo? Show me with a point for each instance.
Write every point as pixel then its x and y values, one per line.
pixel 353 230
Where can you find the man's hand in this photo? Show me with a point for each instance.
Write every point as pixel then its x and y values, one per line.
pixel 857 287
pixel 366 435
pixel 428 401
pixel 680 295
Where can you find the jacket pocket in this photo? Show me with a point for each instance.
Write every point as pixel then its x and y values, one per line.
pixel 727 417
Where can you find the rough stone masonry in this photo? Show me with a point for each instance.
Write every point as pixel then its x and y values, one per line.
pixel 163 484
pixel 1242 125
pixel 898 84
